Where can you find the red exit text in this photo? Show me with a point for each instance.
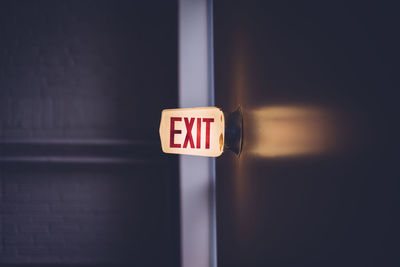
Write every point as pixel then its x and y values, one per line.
pixel 189 122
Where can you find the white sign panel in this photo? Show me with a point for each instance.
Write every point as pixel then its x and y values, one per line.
pixel 193 131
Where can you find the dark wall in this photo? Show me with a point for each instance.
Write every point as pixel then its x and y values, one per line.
pixel 317 182
pixel 82 178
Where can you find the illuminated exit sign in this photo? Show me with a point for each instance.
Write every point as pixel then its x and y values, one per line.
pixel 193 131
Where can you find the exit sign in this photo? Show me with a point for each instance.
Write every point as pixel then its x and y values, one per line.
pixel 193 131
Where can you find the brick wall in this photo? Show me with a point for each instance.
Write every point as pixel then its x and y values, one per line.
pixel 82 178
pixel 84 216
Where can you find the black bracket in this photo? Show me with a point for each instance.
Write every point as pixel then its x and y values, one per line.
pixel 234 131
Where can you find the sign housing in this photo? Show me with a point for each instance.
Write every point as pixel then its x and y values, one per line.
pixel 193 131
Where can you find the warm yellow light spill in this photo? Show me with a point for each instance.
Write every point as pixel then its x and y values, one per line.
pixel 281 131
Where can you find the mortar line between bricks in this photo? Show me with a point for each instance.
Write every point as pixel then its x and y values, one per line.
pixel 1 210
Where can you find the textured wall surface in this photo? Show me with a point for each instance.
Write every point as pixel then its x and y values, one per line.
pixel 317 183
pixel 82 178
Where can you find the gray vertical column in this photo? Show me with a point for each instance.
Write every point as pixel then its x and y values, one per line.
pixel 197 174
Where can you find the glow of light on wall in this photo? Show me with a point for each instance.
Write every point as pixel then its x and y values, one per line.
pixel 284 131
